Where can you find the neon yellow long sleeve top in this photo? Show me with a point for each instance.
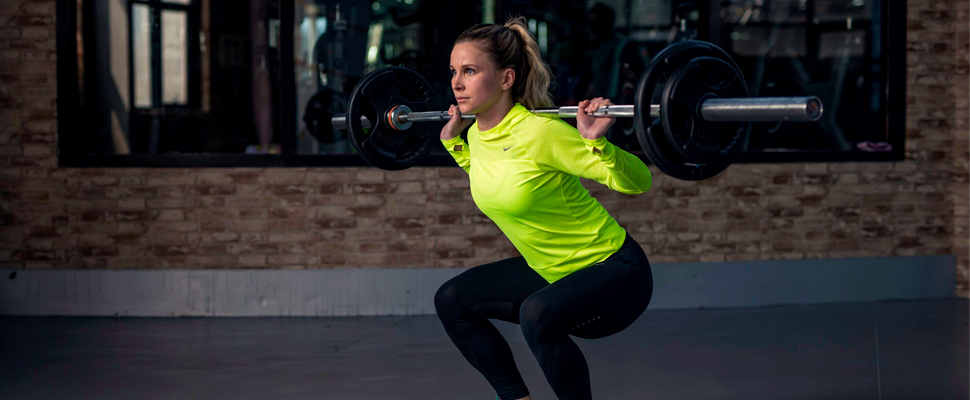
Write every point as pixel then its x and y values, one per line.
pixel 524 176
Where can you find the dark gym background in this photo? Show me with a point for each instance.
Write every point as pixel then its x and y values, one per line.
pixel 170 159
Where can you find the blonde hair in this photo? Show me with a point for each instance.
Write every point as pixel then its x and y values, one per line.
pixel 512 46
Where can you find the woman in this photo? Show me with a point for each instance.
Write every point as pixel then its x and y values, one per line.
pixel 580 273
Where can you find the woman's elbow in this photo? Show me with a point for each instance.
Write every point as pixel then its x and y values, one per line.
pixel 646 184
pixel 638 186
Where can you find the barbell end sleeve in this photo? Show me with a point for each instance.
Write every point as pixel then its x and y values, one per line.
pixel 796 109
pixel 339 121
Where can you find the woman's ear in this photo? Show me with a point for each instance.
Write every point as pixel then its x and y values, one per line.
pixel 509 79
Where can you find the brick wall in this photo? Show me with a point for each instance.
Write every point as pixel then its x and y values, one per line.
pixel 937 106
pixel 367 218
pixel 961 142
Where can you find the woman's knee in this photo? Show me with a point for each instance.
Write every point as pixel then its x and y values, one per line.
pixel 447 297
pixel 536 318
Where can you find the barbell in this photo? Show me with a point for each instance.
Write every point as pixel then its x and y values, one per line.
pixel 797 109
pixel 694 132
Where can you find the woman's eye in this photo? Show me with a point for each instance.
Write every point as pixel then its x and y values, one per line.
pixel 469 71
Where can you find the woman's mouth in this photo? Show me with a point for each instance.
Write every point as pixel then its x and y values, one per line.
pixel 461 99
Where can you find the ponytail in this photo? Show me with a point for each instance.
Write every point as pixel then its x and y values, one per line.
pixel 512 46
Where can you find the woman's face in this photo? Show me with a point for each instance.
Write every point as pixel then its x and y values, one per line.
pixel 477 83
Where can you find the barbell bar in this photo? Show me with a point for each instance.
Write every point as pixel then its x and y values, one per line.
pixel 795 109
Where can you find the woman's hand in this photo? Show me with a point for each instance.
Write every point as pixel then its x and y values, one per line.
pixel 591 127
pixel 455 125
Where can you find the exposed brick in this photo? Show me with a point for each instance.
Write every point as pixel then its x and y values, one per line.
pixel 252 260
pixel 177 202
pixel 330 176
pixel 283 190
pixel 30 32
pixel 370 175
pixel 277 237
pixel 253 213
pixel 290 213
pixel 249 201
pixel 286 259
pixel 247 176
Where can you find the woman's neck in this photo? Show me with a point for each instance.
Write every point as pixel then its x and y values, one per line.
pixel 489 118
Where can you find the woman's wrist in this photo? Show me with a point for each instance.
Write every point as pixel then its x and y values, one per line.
pixel 590 136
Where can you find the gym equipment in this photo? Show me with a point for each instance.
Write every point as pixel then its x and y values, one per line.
pixel 690 113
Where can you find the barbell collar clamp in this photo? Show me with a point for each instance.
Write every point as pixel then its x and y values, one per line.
pixel 397 117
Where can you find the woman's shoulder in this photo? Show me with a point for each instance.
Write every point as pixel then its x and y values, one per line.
pixel 541 124
pixel 538 134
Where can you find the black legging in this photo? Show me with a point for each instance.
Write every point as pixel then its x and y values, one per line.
pixel 591 303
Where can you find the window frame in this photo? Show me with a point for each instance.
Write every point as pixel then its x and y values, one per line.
pixel 894 54
pixel 193 79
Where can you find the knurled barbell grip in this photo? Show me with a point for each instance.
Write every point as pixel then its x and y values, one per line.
pixel 797 109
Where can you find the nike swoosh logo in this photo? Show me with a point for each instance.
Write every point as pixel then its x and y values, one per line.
pixel 506 148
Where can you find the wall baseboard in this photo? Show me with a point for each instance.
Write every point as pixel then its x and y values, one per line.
pixel 368 292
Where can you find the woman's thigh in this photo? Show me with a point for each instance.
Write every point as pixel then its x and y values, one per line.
pixel 596 301
pixel 494 290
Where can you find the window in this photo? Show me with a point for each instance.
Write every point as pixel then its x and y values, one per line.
pixel 169 82
pixel 255 83
pixel 833 49
pixel 160 75
pixel 160 52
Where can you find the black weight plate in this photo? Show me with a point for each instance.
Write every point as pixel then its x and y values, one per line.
pixel 649 130
pixel 694 138
pixel 383 146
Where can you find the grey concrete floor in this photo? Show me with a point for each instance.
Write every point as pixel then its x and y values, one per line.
pixel 874 350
